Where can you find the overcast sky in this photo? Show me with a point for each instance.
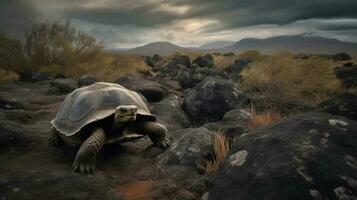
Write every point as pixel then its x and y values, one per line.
pixel 128 23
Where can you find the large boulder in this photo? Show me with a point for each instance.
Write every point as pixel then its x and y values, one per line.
pixel 347 75
pixel 86 80
pixel 211 98
pixel 169 112
pixel 204 61
pixel 152 90
pixel 190 145
pixel 62 86
pixel 306 156
pixel 344 105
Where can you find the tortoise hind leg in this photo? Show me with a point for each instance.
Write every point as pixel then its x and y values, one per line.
pixel 88 152
pixel 55 139
pixel 157 133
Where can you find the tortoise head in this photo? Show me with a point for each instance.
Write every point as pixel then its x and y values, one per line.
pixel 126 113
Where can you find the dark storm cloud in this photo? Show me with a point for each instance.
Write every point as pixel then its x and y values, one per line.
pixel 249 13
pixel 127 20
pixel 16 16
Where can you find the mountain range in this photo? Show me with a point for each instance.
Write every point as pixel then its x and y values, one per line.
pixel 292 44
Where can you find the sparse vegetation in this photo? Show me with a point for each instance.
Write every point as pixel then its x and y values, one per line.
pixel 221 147
pixel 264 118
pixel 12 59
pixel 51 43
pixel 224 61
pixel 282 79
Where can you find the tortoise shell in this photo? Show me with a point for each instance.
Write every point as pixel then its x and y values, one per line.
pixel 93 103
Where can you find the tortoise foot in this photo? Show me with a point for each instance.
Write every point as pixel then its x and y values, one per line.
pixel 164 144
pixel 55 140
pixel 84 168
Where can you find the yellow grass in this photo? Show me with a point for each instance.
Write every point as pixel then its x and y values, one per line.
pixel 281 79
pixel 221 147
pixel 262 119
pixel 106 67
pixel 8 76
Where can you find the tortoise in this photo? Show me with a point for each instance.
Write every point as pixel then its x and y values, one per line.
pixel 103 113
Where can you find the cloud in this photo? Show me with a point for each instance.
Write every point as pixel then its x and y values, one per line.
pixel 188 22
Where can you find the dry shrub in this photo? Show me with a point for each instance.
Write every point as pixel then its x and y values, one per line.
pixel 282 79
pixel 57 43
pixel 264 118
pixel 221 147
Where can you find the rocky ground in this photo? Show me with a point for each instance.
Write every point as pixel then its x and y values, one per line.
pixel 306 156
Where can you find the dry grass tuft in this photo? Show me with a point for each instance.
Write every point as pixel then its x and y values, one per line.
pixel 221 147
pixel 264 118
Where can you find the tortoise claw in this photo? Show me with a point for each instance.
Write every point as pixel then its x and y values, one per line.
pixel 166 143
pixel 84 168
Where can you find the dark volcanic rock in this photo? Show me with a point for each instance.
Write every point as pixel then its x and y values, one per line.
pixel 344 105
pixel 169 112
pixel 156 62
pixel 62 86
pixel 204 61
pixel 347 75
pixel 86 80
pixel 189 77
pixel 189 147
pixel 174 68
pixel 180 60
pixel 341 57
pixel 233 123
pixel 152 90
pixel 235 69
pixel 307 156
pixel 211 98
pixel 31 76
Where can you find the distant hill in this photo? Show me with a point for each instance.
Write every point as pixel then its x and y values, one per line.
pixel 217 44
pixel 161 48
pixel 293 44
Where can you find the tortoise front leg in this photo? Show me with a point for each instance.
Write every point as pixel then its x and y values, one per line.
pixel 88 152
pixel 157 133
pixel 55 139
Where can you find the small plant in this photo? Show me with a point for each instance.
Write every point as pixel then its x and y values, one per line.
pixel 264 118
pixel 221 147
